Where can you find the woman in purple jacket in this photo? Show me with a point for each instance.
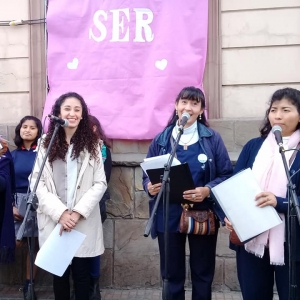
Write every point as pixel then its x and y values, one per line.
pixel 7 186
pixel 204 151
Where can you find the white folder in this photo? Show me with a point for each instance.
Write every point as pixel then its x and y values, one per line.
pixel 236 197
pixel 157 162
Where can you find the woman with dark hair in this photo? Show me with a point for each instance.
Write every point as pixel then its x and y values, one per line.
pixel 106 157
pixel 72 182
pixel 7 229
pixel 266 256
pixel 204 151
pixel 27 133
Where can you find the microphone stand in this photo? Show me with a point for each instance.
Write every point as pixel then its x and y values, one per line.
pixel 32 204
pixel 165 191
pixel 293 214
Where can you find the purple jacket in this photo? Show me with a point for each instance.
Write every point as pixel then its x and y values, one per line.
pixel 7 228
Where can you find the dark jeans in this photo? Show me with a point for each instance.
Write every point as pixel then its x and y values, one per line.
pixel 202 264
pixel 81 277
pixel 256 276
pixel 95 267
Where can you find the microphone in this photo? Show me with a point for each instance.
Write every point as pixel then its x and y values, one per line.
pixel 62 122
pixel 276 129
pixel 184 118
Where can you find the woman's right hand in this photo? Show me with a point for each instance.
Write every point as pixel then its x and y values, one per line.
pixel 3 147
pixel 17 216
pixel 153 189
pixel 66 221
pixel 228 225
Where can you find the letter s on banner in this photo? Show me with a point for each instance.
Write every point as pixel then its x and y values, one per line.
pixel 99 25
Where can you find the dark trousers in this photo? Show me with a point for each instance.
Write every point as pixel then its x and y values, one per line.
pixel 95 267
pixel 81 277
pixel 256 276
pixel 202 264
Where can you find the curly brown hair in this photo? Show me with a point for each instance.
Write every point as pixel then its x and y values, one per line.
pixel 83 138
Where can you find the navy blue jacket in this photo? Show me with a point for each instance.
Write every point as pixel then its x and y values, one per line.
pixel 219 165
pixel 246 160
pixel 7 228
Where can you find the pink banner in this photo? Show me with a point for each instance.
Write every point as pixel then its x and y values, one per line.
pixel 128 59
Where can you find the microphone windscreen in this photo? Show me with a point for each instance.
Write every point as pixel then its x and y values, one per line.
pixel 276 128
pixel 185 115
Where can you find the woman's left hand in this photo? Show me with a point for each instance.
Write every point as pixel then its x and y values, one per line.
pixel 265 198
pixel 196 195
pixel 75 216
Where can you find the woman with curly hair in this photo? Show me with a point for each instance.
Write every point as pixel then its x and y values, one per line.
pixel 27 133
pixel 72 182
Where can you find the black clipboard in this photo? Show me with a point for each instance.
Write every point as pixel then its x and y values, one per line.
pixel 180 180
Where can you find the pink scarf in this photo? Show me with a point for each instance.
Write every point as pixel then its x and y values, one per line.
pixel 269 171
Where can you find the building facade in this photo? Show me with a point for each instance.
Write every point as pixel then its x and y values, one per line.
pixel 253 50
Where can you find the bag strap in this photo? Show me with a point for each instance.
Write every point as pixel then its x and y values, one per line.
pixel 294 154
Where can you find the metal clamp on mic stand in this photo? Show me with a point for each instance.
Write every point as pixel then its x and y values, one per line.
pixel 165 191
pixel 293 214
pixel 32 204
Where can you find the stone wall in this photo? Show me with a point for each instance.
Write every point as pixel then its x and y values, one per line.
pixel 131 260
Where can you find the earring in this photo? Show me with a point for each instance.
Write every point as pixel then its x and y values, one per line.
pixel 176 113
pixel 200 117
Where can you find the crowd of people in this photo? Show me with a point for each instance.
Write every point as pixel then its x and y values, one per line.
pixel 72 191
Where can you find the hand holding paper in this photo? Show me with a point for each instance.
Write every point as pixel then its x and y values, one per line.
pixel 58 251
pixel 153 189
pixel 236 197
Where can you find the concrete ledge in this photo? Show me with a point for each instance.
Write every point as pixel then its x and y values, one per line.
pixel 134 159
pixel 127 159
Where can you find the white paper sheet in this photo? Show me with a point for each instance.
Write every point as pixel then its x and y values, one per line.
pixel 58 251
pixel 236 197
pixel 157 162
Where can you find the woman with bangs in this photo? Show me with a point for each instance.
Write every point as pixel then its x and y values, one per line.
pixel 204 151
pixel 27 133
pixel 71 185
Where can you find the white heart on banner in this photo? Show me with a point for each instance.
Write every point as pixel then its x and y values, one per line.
pixel 161 64
pixel 73 64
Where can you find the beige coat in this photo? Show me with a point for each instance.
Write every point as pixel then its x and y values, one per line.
pixel 90 187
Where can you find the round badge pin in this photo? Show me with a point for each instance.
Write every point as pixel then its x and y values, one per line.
pixel 202 158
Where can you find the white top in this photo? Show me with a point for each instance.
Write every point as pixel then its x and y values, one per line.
pixel 190 135
pixel 72 177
